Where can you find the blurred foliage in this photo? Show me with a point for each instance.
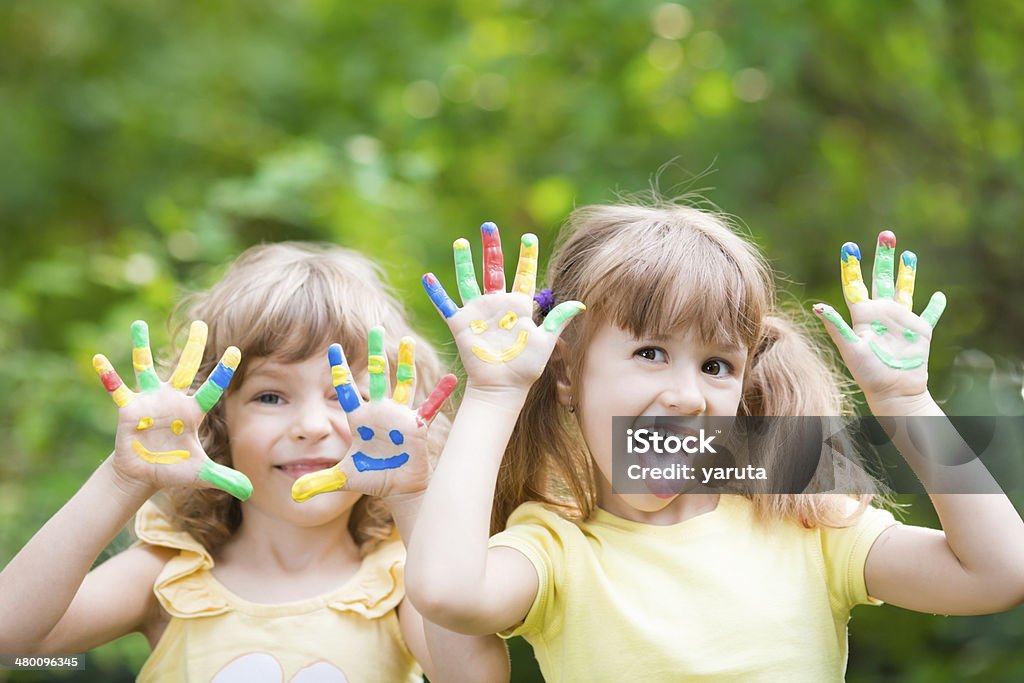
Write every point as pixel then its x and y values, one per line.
pixel 145 144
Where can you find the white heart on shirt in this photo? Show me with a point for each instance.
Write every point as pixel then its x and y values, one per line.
pixel 261 667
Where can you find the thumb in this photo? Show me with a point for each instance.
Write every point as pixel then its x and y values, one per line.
pixel 560 315
pixel 841 333
pixel 226 479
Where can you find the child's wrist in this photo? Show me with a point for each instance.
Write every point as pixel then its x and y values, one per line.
pixel 128 491
pixel 501 397
pixel 404 508
pixel 398 502
pixel 903 405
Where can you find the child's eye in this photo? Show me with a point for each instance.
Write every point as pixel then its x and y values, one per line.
pixel 268 398
pixel 717 367
pixel 652 353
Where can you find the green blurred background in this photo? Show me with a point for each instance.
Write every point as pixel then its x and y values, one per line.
pixel 145 144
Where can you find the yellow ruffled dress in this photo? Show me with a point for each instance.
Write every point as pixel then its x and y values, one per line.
pixel 348 635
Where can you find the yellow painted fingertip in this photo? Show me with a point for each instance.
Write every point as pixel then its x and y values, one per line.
pixel 315 483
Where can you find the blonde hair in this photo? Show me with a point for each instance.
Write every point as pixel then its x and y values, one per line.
pixel 649 270
pixel 289 301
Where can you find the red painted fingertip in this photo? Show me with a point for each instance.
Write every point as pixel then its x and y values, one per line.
pixel 887 238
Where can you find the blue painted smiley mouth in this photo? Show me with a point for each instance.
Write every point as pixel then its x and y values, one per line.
pixel 364 462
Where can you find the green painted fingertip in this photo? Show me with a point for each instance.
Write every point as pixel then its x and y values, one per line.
pixel 933 311
pixel 465 274
pixel 226 479
pixel 377 364
pixel 830 314
pixel 561 313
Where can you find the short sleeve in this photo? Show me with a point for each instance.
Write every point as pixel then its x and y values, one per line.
pixel 184 587
pixel 541 535
pixel 378 586
pixel 846 552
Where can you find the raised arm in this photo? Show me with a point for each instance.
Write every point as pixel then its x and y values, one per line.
pixel 389 457
pixel 47 603
pixel 975 564
pixel 452 576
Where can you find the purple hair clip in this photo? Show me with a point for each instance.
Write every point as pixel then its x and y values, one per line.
pixel 546 300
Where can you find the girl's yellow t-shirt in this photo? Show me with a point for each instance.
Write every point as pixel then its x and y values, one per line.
pixel 718 598
pixel 349 635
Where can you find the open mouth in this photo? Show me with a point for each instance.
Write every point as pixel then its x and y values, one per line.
pixel 308 466
pixel 672 466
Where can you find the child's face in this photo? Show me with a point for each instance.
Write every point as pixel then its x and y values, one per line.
pixel 678 375
pixel 283 422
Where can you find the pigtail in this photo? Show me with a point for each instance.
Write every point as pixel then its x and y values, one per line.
pixel 790 374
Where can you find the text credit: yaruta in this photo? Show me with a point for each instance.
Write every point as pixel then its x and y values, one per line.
pixel 648 441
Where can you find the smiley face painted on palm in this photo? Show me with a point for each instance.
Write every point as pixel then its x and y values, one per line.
pixel 882 319
pixel 506 336
pixel 152 399
pixel 364 462
pixel 384 431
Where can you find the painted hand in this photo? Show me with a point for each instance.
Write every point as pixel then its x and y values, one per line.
pixel 498 342
pixel 886 349
pixel 389 454
pixel 157 428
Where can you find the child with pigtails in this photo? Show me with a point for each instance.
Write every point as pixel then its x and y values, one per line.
pixel 522 532
pixel 242 571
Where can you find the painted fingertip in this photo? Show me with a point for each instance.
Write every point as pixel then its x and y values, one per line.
pixel 108 376
pixel 934 310
pixel 437 397
pixel 849 249
pixel 198 329
pixel 832 316
pixel 908 259
pixel 217 383
pixel 562 313
pixel 439 296
pixel 406 353
pixel 887 238
pixel 232 357
pixel 191 356
pixel 375 342
pixel 461 243
pixel 140 333
pixel 226 479
pixel 488 229
pixel 335 355
pixel 225 370
pixel 314 483
pixel 526 269
pixel 119 393
pixel 377 363
pixel 142 357
pixel 405 373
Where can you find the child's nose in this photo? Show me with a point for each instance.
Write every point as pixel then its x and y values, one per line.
pixel 313 421
pixel 684 396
